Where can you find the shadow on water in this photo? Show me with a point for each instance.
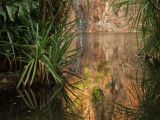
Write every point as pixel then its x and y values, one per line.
pixel 32 104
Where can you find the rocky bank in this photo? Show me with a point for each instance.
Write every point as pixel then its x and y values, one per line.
pixel 100 16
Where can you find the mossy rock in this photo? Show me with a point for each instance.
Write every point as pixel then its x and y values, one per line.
pixel 97 94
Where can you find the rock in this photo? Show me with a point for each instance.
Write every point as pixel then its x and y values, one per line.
pixel 101 17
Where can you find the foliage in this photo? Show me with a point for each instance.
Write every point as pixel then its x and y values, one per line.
pixel 14 19
pixel 35 39
pixel 48 55
pixel 147 21
pixel 39 52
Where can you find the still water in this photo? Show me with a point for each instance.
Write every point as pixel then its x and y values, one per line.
pixel 106 62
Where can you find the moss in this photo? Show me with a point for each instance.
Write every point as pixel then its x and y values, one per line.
pixel 87 74
pixel 107 86
pixel 97 94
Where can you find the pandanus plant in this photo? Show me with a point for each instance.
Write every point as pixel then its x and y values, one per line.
pixel 49 54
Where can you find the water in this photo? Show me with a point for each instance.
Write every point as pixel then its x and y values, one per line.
pixel 30 104
pixel 107 62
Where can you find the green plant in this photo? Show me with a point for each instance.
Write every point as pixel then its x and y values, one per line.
pixel 147 22
pixel 38 49
pixel 49 55
pixel 14 19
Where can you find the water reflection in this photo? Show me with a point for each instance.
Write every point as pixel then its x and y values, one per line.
pixel 150 85
pixel 143 92
pixel 108 62
pixel 32 104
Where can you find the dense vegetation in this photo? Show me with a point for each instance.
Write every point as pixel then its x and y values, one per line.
pixel 32 32
pixel 35 39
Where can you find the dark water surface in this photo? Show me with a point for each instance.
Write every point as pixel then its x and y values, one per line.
pixel 30 104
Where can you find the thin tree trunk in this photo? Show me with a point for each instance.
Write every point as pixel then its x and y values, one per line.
pixel 43 11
